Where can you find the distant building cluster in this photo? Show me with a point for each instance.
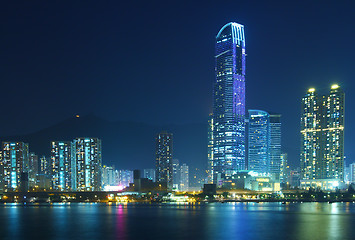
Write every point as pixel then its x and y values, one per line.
pixel 77 166
pixel 73 166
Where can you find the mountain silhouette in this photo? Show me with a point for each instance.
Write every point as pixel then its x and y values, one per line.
pixel 126 145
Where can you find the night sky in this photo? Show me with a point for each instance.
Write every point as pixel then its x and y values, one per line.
pixel 153 62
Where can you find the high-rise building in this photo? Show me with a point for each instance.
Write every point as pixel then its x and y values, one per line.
pixel 87 164
pixel 15 160
pixel 164 158
pixel 184 178
pixel 32 169
pixel 108 176
pixel 259 141
pixel 1 172
pixel 149 174
pixel 229 102
pixel 62 160
pixel 176 173
pixel 347 177
pixel 284 168
pixel 210 149
pixel 352 172
pixel 45 166
pixel 322 135
pixel 275 145
pixel 124 177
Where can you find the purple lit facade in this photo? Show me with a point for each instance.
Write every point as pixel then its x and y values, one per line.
pixel 229 103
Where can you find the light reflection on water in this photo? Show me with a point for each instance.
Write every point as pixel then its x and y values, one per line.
pixel 182 221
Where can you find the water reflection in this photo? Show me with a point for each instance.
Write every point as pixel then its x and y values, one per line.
pixel 120 223
pixel 182 221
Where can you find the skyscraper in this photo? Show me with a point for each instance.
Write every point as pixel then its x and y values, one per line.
pixel 284 168
pixel 229 102
pixel 333 131
pixel 87 164
pixel 15 159
pixel 259 141
pixel 164 158
pixel 352 172
pixel 149 174
pixel 1 172
pixel 108 176
pixel 124 177
pixel 210 149
pixel 184 178
pixel 32 169
pixel 275 145
pixel 310 134
pixel 45 166
pixel 322 135
pixel 62 160
pixel 176 173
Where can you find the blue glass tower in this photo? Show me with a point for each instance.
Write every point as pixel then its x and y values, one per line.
pixel 229 102
pixel 259 141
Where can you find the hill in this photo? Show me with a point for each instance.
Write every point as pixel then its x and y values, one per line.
pixel 127 145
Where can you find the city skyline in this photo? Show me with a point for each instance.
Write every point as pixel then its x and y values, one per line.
pixel 177 120
pixel 95 49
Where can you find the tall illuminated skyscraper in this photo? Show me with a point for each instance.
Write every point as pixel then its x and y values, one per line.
pixel 322 131
pixel 259 141
pixel 352 173
pixel 108 176
pixel 184 178
pixel 229 102
pixel 15 163
pixel 32 169
pixel 176 173
pixel 62 160
pixel 275 145
pixel 284 168
pixel 210 149
pixel 87 164
pixel 164 158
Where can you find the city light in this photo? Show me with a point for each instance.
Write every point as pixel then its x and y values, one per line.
pixel 311 90
pixel 335 86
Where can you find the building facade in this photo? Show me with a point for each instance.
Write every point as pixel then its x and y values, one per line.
pixel 259 141
pixel 229 102
pixel 284 168
pixel 45 166
pixel 210 149
pixel 184 178
pixel 87 164
pixel 322 135
pixel 62 160
pixel 149 174
pixel 164 158
pixel 15 164
pixel 33 169
pixel 176 173
pixel 275 145
pixel 108 176
pixel 352 172
pixel 124 177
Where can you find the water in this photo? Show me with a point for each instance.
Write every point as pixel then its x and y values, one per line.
pixel 199 221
